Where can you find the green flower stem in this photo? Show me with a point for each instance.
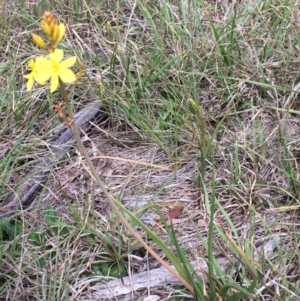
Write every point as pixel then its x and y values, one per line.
pixel 108 195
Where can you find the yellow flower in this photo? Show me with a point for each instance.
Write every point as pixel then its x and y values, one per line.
pixel 61 69
pixel 53 68
pixel 40 71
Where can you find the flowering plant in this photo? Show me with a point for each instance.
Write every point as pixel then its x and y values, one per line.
pixel 52 67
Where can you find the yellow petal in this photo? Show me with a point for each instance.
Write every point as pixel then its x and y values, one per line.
pixel 30 81
pixel 42 63
pixel 27 75
pixel 57 55
pixel 30 64
pixel 43 70
pixel 30 84
pixel 41 78
pixel 67 76
pixel 68 62
pixel 54 83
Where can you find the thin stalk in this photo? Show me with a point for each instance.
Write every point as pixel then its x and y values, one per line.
pixel 210 264
pixel 107 194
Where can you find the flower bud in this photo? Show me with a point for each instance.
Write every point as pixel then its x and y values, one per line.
pixel 109 31
pixel 56 33
pixel 81 69
pixel 48 17
pixel 45 26
pixel 37 40
pixel 62 31
pixel 52 24
pixel 194 105
pixel 102 89
pixel 108 26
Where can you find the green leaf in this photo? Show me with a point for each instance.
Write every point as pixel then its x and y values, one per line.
pixel 13 230
pixel 50 215
pixel 112 269
pixel 37 236
pixel 42 262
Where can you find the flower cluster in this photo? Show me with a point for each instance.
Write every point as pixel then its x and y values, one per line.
pixel 54 32
pixel 52 66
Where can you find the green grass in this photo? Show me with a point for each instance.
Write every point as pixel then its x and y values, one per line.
pixel 205 88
